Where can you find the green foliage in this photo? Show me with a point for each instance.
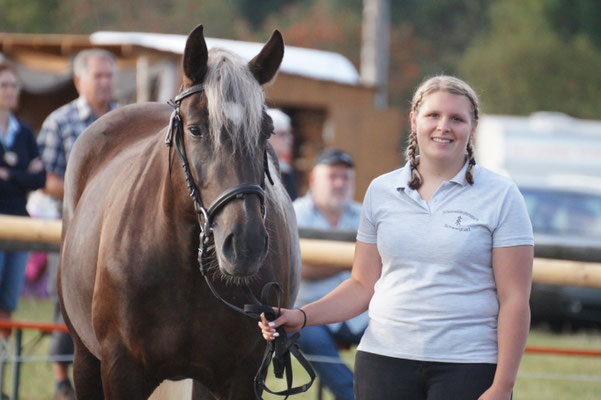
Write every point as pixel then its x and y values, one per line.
pixel 523 55
pixel 27 15
pixel 577 17
pixel 523 66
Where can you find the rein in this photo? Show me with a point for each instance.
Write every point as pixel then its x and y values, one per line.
pixel 279 349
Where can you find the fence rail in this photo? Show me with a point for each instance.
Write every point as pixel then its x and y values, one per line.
pixel 586 271
pixel 581 268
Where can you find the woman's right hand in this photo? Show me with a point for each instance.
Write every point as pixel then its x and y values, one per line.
pixel 291 320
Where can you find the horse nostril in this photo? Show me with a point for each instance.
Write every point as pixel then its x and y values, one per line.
pixel 228 247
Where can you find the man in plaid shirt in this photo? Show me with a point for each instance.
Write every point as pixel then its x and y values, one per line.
pixel 94 77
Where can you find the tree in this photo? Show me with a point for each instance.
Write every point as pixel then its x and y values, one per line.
pixel 522 66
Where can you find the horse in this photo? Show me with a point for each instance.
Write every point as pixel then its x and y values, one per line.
pixel 130 287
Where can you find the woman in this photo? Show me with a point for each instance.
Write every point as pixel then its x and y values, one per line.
pixel 443 260
pixel 21 170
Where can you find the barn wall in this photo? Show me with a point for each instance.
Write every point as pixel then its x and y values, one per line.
pixel 349 121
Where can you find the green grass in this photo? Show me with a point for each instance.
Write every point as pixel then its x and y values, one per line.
pixel 540 376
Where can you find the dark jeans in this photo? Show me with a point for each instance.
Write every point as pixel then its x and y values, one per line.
pixel 320 341
pixel 381 377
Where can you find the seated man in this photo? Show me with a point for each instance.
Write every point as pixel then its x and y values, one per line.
pixel 329 205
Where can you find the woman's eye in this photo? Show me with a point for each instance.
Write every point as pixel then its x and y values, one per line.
pixel 194 130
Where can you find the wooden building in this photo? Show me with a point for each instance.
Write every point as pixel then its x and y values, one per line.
pixel 319 90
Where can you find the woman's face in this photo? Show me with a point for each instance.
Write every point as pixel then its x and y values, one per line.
pixel 443 125
pixel 9 90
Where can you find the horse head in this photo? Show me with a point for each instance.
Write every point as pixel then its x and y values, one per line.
pixel 225 130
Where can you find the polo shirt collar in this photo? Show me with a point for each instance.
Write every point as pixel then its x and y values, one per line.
pixel 347 205
pixel 85 111
pixel 83 108
pixel 405 176
pixel 13 129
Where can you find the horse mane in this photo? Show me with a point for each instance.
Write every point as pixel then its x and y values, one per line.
pixel 235 101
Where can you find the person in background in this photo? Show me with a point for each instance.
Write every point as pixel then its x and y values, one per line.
pixel 282 142
pixel 329 205
pixel 21 171
pixel 443 261
pixel 94 73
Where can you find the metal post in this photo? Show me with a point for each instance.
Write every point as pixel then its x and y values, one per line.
pixel 17 368
pixel 375 48
pixel 2 365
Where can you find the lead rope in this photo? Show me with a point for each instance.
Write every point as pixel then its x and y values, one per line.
pixel 278 350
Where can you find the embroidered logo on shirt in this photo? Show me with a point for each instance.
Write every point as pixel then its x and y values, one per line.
pixel 461 221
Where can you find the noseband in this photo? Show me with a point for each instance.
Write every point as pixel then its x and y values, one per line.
pixel 282 346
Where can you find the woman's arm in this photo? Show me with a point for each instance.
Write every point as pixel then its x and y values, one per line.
pixel 31 179
pixel 512 267
pixel 348 300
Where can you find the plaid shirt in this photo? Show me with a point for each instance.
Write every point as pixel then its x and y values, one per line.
pixel 59 131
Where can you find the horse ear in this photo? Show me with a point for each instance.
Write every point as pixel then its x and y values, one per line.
pixel 266 63
pixel 195 56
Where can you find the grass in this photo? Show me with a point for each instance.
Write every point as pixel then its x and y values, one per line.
pixel 540 377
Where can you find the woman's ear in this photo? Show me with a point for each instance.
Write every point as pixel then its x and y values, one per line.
pixel 413 122
pixel 473 132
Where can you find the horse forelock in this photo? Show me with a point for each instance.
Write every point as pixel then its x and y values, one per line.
pixel 235 101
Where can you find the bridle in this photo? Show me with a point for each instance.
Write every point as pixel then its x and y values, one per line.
pixel 206 215
pixel 280 348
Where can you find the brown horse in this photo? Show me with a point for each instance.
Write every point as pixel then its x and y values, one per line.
pixel 131 291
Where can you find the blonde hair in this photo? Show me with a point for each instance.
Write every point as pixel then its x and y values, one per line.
pixel 229 83
pixel 441 83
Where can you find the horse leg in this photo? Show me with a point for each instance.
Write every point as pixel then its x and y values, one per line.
pixel 200 392
pixel 86 373
pixel 122 376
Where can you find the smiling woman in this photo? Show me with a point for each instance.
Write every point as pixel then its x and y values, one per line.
pixel 443 260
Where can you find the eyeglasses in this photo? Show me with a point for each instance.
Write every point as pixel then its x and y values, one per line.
pixel 9 85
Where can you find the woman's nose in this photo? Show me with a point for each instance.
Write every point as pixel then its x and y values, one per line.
pixel 443 125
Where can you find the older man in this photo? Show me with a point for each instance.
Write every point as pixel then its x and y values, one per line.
pixel 328 205
pixel 282 141
pixel 94 77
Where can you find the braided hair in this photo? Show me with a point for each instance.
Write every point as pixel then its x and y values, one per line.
pixel 441 83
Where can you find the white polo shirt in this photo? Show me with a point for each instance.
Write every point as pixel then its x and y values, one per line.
pixel 436 299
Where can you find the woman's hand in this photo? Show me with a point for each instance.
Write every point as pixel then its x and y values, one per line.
pixel 495 393
pixel 36 165
pixel 291 320
pixel 4 174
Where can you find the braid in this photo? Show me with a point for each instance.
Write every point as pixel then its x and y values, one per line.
pixel 416 179
pixel 469 177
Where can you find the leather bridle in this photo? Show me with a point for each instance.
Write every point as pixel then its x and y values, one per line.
pixel 282 346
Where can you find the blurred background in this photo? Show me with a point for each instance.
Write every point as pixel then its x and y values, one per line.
pixel 347 78
pixel 522 56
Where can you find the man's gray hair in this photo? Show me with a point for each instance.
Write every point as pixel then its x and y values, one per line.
pixel 80 62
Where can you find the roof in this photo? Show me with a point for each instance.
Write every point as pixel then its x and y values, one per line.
pixel 317 64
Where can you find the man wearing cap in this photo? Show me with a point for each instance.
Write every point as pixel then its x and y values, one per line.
pixel 329 206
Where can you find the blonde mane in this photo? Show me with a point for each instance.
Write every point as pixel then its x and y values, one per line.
pixel 235 101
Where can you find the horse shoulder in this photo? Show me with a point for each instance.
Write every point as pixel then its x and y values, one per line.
pixel 102 141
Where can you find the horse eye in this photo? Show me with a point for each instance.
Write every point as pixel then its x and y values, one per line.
pixel 194 131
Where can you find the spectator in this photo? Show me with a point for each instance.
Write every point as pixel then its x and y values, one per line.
pixel 329 206
pixel 94 77
pixel 21 170
pixel 443 260
pixel 282 142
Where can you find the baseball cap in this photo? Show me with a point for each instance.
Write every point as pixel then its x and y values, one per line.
pixel 333 156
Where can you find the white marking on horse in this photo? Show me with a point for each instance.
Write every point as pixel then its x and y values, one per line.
pixel 233 112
